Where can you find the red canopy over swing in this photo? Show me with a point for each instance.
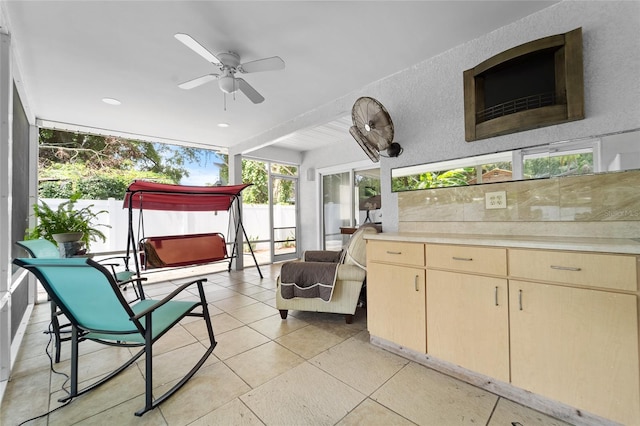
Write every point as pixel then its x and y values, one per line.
pixel 163 196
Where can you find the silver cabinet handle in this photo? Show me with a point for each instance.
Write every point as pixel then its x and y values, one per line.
pixel 565 268
pixel 394 252
pixel 466 259
pixel 415 283
pixel 496 295
pixel 520 298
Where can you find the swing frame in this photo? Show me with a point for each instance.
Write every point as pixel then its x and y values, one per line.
pixel 143 195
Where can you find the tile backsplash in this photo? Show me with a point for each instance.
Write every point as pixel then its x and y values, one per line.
pixel 603 205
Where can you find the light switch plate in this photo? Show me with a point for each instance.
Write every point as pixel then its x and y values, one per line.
pixel 495 200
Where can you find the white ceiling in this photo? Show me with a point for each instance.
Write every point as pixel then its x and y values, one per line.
pixel 71 54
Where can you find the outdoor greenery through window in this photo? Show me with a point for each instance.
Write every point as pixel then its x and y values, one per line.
pixel 101 167
pixel 493 168
pixel 536 167
pixel 96 169
pixel 281 179
pixel 257 173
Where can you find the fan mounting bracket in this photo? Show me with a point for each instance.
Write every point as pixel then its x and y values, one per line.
pixel 229 59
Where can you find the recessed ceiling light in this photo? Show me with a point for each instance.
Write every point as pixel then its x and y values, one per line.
pixel 111 101
pixel 223 124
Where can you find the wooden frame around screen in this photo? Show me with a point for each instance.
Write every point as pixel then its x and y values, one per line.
pixel 569 82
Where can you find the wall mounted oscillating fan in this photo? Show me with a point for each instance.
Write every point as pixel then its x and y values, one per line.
pixel 373 129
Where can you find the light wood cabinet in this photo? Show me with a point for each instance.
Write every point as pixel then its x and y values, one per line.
pixel 478 260
pixel 577 346
pixel 612 271
pixel 396 295
pixel 468 321
pixel 399 253
pixel 467 312
pixel 562 324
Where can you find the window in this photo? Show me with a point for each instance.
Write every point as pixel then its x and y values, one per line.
pixel 545 161
pixel 536 165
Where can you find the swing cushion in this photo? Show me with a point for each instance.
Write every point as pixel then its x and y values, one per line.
pixel 183 250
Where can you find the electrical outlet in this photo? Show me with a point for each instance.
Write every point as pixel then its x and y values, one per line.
pixel 495 200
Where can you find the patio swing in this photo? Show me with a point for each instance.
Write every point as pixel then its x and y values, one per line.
pixel 167 251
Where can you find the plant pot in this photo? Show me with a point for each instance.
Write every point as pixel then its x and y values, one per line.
pixel 68 237
pixel 69 244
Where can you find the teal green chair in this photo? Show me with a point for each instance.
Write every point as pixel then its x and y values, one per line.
pixel 45 249
pixel 42 248
pixel 89 296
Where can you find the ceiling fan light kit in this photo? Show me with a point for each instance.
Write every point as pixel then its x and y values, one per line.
pixel 229 64
pixel 373 129
pixel 227 84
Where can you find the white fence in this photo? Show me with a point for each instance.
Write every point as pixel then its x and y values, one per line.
pixel 255 218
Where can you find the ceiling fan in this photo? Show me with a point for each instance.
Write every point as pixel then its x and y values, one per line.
pixel 229 64
pixel 373 129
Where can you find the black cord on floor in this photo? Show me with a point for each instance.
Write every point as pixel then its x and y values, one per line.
pixel 50 332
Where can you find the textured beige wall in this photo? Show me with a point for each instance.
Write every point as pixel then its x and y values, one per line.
pixel 603 205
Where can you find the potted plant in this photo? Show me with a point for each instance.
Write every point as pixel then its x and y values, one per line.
pixel 66 224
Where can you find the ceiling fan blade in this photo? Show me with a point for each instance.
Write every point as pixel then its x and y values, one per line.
pixel 268 64
pixel 249 91
pixel 197 81
pixel 188 41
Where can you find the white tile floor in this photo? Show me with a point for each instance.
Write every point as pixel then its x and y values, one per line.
pixel 311 369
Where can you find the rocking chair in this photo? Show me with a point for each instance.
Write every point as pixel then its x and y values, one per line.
pixel 90 298
pixel 45 249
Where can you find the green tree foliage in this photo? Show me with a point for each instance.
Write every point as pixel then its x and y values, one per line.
pixel 100 167
pixel 256 172
pixel 560 165
pixel 456 177
pixel 284 192
pixel 534 168
pixel 64 180
pixel 367 186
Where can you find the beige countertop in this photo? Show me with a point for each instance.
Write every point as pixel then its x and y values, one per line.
pixel 607 245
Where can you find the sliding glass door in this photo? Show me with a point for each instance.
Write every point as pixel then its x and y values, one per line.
pixel 284 223
pixel 270 213
pixel 349 199
pixel 367 199
pixel 337 208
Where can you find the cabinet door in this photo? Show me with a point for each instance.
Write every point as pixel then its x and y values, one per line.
pixel 468 321
pixel 577 346
pixel 396 305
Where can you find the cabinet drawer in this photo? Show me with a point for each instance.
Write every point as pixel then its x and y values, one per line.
pixel 482 260
pixel 588 269
pixel 396 252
